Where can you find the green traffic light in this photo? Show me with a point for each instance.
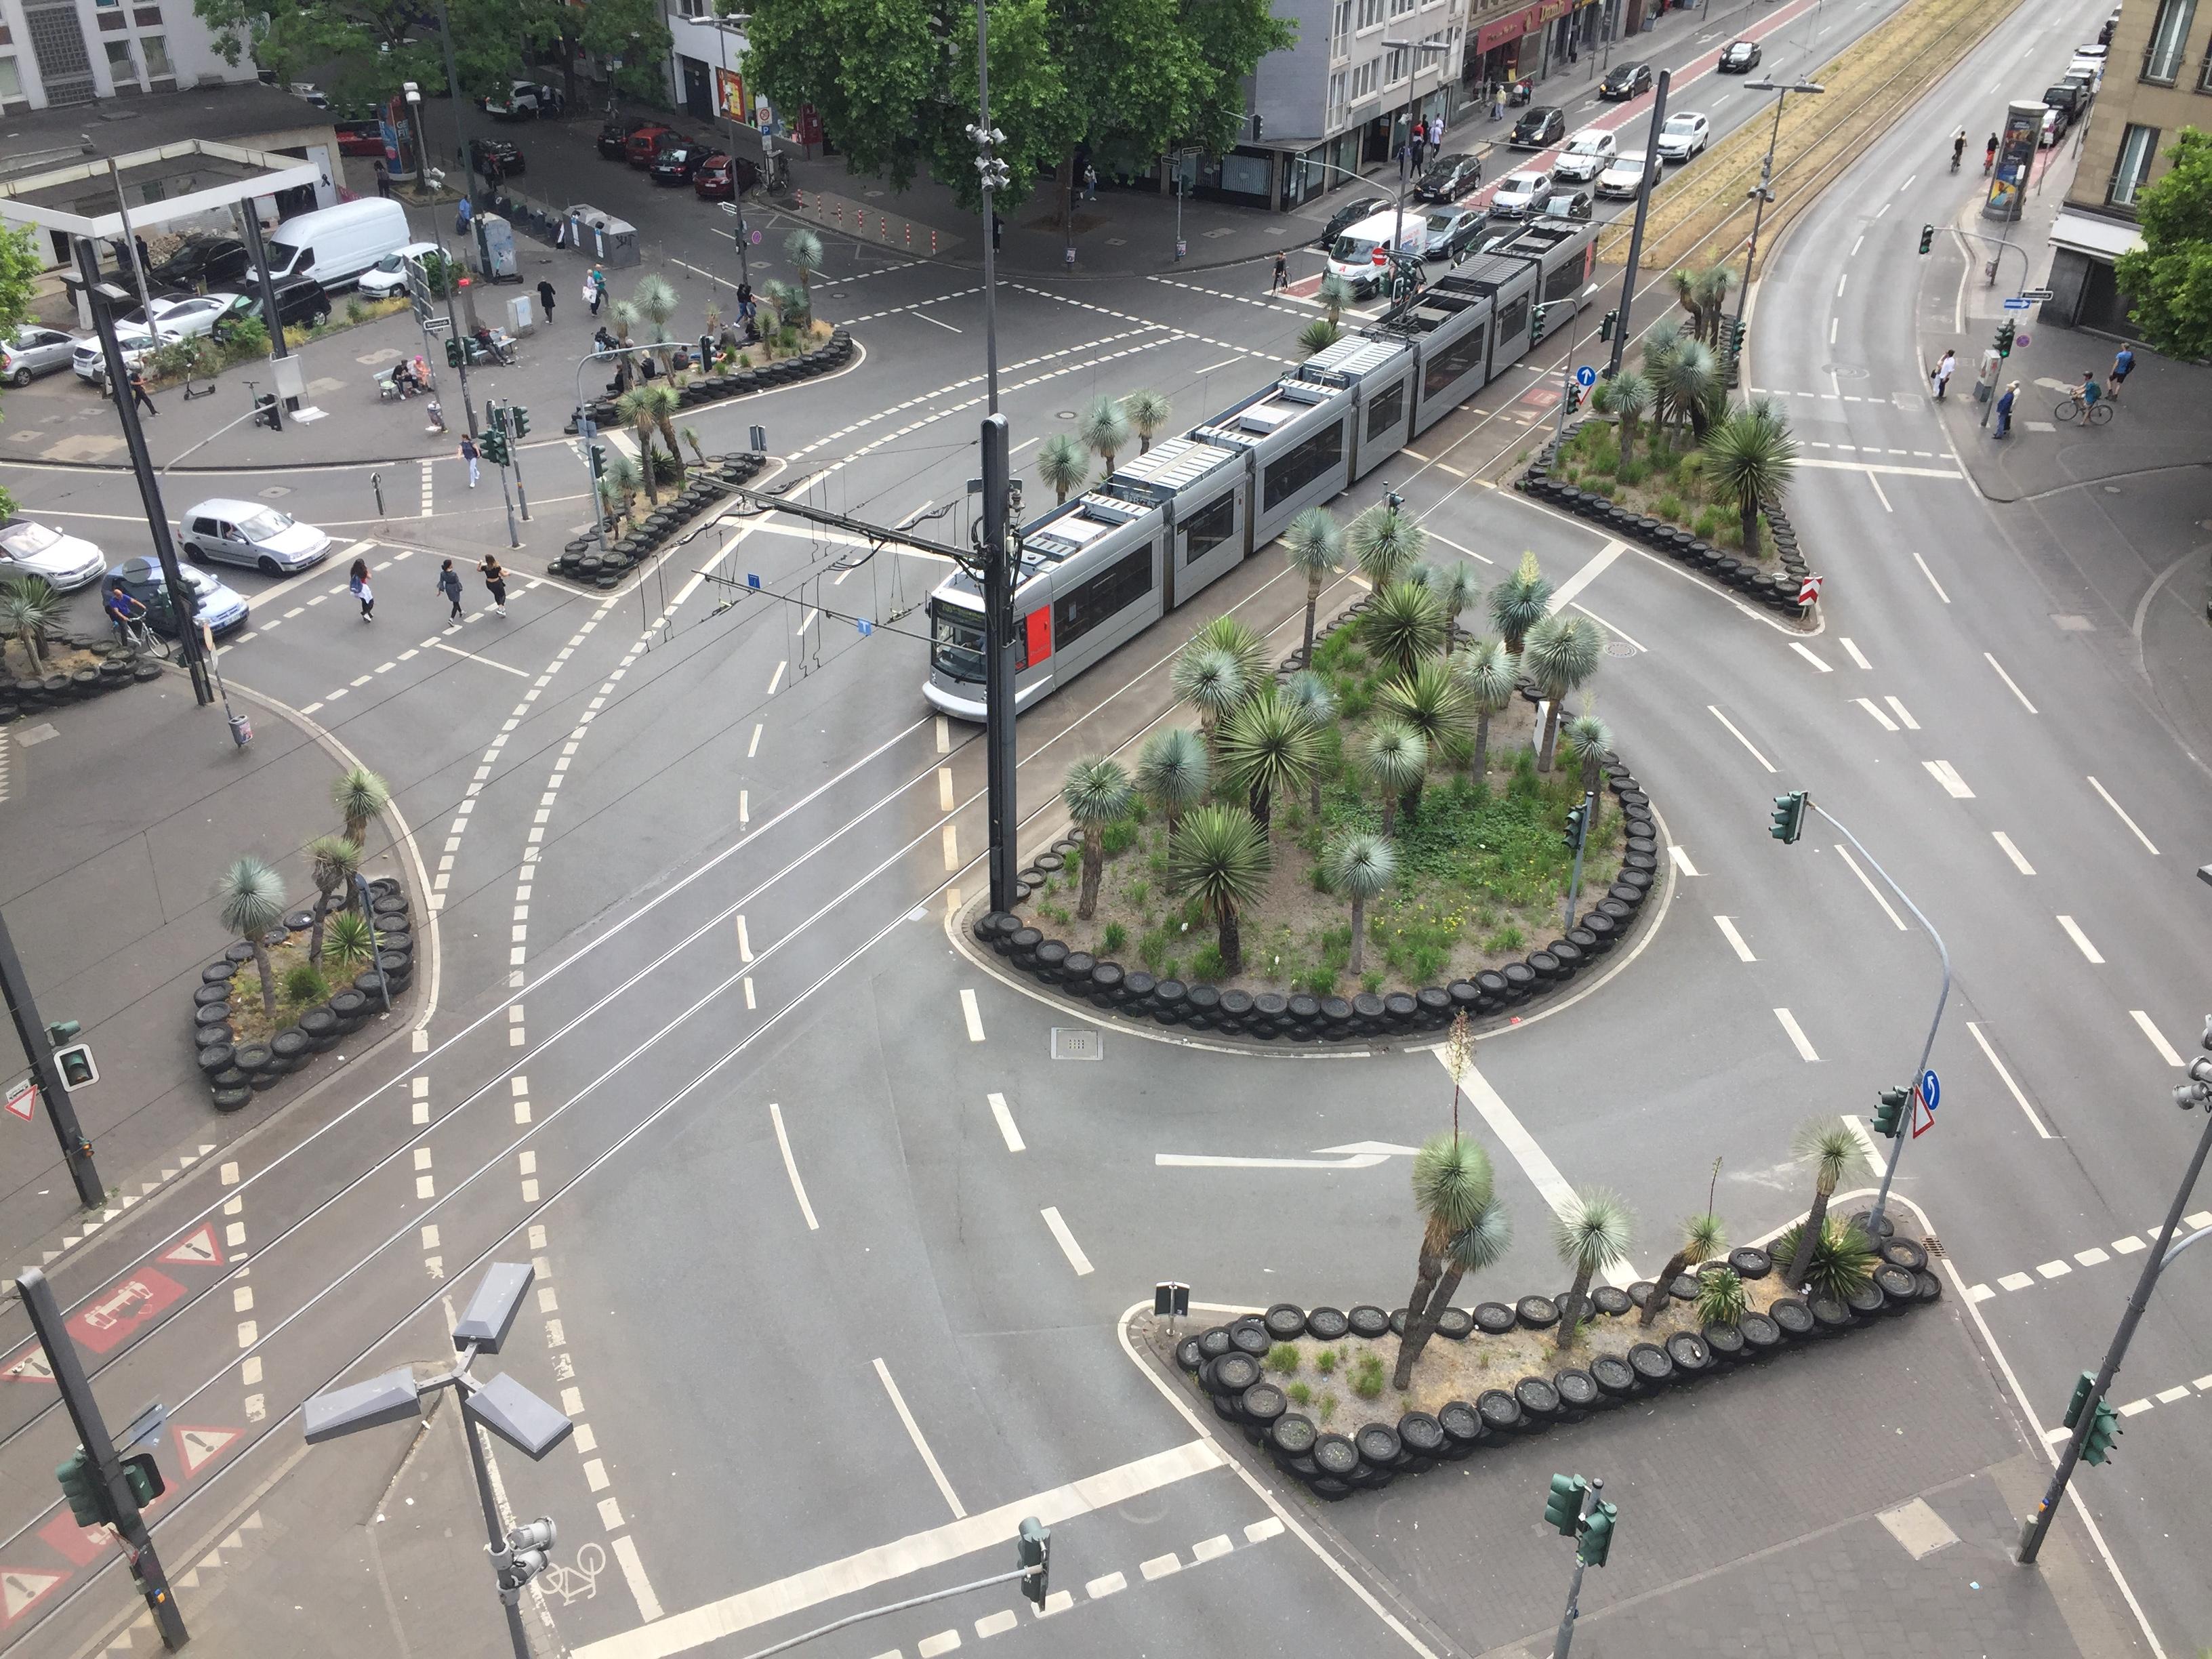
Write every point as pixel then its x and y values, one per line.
pixel 61 1031
pixel 1787 821
pixel 1597 1535
pixel 2104 1430
pixel 1563 1509
pixel 2081 1399
pixel 1889 1117
pixel 81 1485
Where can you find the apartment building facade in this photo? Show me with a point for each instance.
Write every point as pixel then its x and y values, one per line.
pixel 57 52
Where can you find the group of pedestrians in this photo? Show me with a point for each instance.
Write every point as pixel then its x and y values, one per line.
pixel 449 584
pixel 2089 392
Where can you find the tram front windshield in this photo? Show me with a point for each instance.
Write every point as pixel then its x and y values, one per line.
pixel 956 640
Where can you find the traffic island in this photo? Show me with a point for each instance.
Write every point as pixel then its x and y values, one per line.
pixel 645 527
pixel 75 672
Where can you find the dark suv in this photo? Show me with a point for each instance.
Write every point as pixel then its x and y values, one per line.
pixel 1539 129
pixel 1626 80
pixel 301 302
pixel 207 259
pixel 1448 178
pixel 676 165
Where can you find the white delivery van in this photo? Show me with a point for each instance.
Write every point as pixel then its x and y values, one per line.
pixel 335 245
pixel 1352 256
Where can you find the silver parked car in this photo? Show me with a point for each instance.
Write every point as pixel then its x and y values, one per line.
pixel 33 351
pixel 249 533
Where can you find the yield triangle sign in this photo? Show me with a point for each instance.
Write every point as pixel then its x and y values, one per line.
pixel 197 1250
pixel 200 1447
pixel 21 1587
pixel 23 1099
pixel 29 1366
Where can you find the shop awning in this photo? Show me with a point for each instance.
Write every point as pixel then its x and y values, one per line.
pixel 2095 235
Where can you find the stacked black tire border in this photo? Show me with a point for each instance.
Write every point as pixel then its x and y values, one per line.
pixel 1777 590
pixel 116 669
pixel 581 560
pixel 1227 1363
pixel 1271 1016
pixel 235 1070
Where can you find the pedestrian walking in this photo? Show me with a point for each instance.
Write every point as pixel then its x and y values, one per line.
pixel 139 399
pixel 598 289
pixel 2123 364
pixel 469 454
pixel 1497 101
pixel 545 299
pixel 2004 408
pixel 1941 374
pixel 357 585
pixel 1090 182
pixel 461 215
pixel 494 578
pixel 383 178
pixel 1282 280
pixel 449 584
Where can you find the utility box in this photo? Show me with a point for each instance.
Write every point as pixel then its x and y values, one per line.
pixel 521 316
pixel 495 246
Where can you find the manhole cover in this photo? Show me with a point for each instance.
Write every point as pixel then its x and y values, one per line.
pixel 275 492
pixel 1617 646
pixel 1844 372
pixel 1063 414
pixel 1074 1042
pixel 2075 624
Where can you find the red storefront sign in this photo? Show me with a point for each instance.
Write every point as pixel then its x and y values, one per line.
pixel 1493 35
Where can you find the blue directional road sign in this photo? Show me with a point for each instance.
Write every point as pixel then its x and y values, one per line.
pixel 2018 305
pixel 1585 377
pixel 1931 1088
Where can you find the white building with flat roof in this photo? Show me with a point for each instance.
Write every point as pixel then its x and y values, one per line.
pixel 59 52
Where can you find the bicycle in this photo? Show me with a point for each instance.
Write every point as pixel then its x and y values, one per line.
pixel 137 636
pixel 2097 414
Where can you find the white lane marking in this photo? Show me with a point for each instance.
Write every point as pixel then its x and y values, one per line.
pixel 2013 853
pixel 1887 909
pixel 945 803
pixel 1564 595
pixel 1734 938
pixel 1834 322
pixel 1799 647
pixel 2018 1099
pixel 952 839
pixel 2017 1281
pixel 1107 1585
pixel 1856 655
pixel 753 748
pixel 790 1169
pixel 2073 932
pixel 1903 716
pixel 521 673
pixel 973 1015
pixel 1160 1567
pixel 1841 279
pixel 745 942
pixel 1875 709
pixel 648 1604
pixel 1947 775
pixel 1005 1120
pixel 1681 861
pixel 776 678
pixel 2054 1269
pixel 914 1433
pixel 944 735
pixel 1535 1163
pixel 1879 491
pixel 1926 572
pixel 2157 1038
pixel 2009 685
pixel 2092 1256
pixel 2124 818
pixel 1867 1146
pixel 1069 1248
pixel 1796 1034
pixel 1260 1531
pixel 1739 737
pixel 923 316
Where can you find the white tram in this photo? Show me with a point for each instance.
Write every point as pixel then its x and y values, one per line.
pixel 1097 571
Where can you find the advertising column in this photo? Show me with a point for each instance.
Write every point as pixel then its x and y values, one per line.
pixel 2023 130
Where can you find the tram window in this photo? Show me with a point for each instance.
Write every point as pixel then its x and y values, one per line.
pixel 1563 284
pixel 1449 365
pixel 957 647
pixel 1098 600
pixel 1387 410
pixel 1295 468
pixel 1209 527
pixel 1513 323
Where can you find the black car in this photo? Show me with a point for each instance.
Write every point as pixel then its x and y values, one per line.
pixel 1739 57
pixel 301 302
pixel 481 150
pixel 676 165
pixel 1364 207
pixel 1540 129
pixel 614 134
pixel 1627 80
pixel 1450 179
pixel 1574 203
pixel 202 260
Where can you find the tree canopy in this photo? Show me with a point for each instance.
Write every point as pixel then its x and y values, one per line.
pixel 894 80
pixel 2169 279
pixel 19 274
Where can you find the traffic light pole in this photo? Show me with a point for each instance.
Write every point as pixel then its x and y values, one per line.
pixel 61 1110
pixel 92 1434
pixel 1000 558
pixel 1651 169
pixel 2032 1533
pixel 508 424
pixel 1566 1638
pixel 497 1532
pixel 1581 839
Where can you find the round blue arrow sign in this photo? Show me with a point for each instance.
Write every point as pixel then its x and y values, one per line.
pixel 1931 1089
pixel 1585 376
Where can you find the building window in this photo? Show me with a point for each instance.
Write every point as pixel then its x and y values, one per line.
pixel 157 56
pixel 2138 147
pixel 11 81
pixel 2203 76
pixel 2169 35
pixel 1393 66
pixel 1370 13
pixel 147 17
pixel 121 66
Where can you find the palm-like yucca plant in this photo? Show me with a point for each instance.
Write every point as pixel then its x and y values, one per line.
pixel 334 860
pixel 1269 747
pixel 1702 1239
pixel 1318 335
pixel 1148 411
pixel 1520 602
pixel 1709 292
pixel 1660 342
pixel 1311 693
pixel 1593 1231
pixel 359 794
pixel 1454 1193
pixel 1219 857
pixel 1334 293
pixel 1361 866
pixel 620 478
pixel 1838 1260
pixel 690 436
pixel 31 612
pixel 1241 641
pixel 1833 1151
pixel 803 248
pixel 1490 673
pixel 1385 542
pixel 1432 700
pixel 1458 589
pixel 1315 546
pixel 1403 626
pixel 1396 759
pixel 788 301
pixel 1104 430
pixel 1173 772
pixel 1062 465
pixel 1720 1300
pixel 250 900
pixel 350 942
pixel 1561 655
pixel 626 317
pixel 1751 456
pixel 636 407
pixel 1097 792
pixel 1630 398
pixel 1686 379
pixel 1585 739
pixel 662 401
pixel 1211 681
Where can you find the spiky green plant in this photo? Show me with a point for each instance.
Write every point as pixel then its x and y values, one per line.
pixel 1491 675
pixel 1269 747
pixel 1241 641
pixel 333 859
pixel 1104 430
pixel 1219 857
pixel 1585 739
pixel 1833 1152
pixel 1211 681
pixel 1097 792
pixel 31 612
pixel 1315 546
pixel 1334 294
pixel 1402 627
pixel 1520 602
pixel 1385 542
pixel 359 794
pixel 1458 589
pixel 1720 1300
pixel 640 408
pixel 803 248
pixel 350 943
pixel 1174 772
pixel 1750 457
pixel 1685 380
pixel 1593 1231
pixel 1703 1238
pixel 1063 464
pixel 1561 655
pixel 1360 866
pixel 1629 398
pixel 1841 1258
pixel 1318 335
pixel 1148 411
pixel 662 401
pixel 1311 693
pixel 1433 701
pixel 1453 1193
pixel 1395 761
pixel 250 900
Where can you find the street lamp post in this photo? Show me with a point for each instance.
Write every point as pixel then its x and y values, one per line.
pixel 1406 150
pixel 1000 553
pixel 1763 192
pixel 1651 171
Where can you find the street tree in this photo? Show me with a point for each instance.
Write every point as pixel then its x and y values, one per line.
pixel 656 302
pixel 359 795
pixel 1315 546
pixel 1491 674
pixel 639 409
pixel 1097 792
pixel 1311 693
pixel 1586 738
pixel 20 267
pixel 1704 294
pixel 1396 759
pixel 1105 430
pixel 2168 280
pixel 1062 465
pixel 250 900
pixel 1432 700
pixel 662 401
pixel 1318 336
pixel 803 249
pixel 1833 1151
pixel 33 612
pixel 1458 589
pixel 1702 1239
pixel 1269 747
pixel 1209 679
pixel 1386 542
pixel 1173 772
pixel 334 860
pixel 1520 602
pixel 1688 378
pixel 1361 866
pixel 1219 857
pixel 1334 294
pixel 1148 411
pixel 1403 626
pixel 1628 395
pixel 1241 641
pixel 1592 1231
pixel 1464 1229
pixel 1750 459
pixel 1560 656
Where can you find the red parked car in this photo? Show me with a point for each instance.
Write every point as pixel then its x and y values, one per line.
pixel 644 147
pixel 723 177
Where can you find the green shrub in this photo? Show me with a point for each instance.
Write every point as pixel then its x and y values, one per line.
pixel 1283 1358
pixel 1114 938
pixel 1634 473
pixel 1367 1376
pixel 303 985
pixel 1709 523
pixel 1719 1296
pixel 1299 1392
pixel 1325 1407
pixel 1325 1362
pixel 356 313
pixel 1118 838
pixel 1506 940
pixel 1139 892
pixel 1207 964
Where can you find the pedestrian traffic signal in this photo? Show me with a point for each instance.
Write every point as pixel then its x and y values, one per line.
pixel 2005 330
pixel 522 1557
pixel 494 445
pixel 61 1031
pixel 1927 237
pixel 453 353
pixel 518 421
pixel 1564 1508
pixel 74 1064
pixel 1597 1533
pixel 2080 1398
pixel 598 462
pixel 143 1476
pixel 1787 821
pixel 1574 836
pixel 1611 322
pixel 1889 1117
pixel 1034 1546
pixel 1574 396
pixel 2103 1431
pixel 81 1485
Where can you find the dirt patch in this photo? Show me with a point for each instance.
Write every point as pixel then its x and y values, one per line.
pixel 249 1021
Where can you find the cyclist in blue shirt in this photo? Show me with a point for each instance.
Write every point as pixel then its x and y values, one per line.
pixel 2089 392
pixel 121 608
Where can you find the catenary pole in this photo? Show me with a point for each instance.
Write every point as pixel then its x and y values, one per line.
pixel 1652 163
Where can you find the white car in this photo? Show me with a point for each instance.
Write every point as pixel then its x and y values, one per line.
pixel 253 534
pixel 1684 136
pixel 388 276
pixel 1519 192
pixel 525 100
pixel 179 319
pixel 1624 176
pixel 1587 154
pixel 36 550
pixel 90 363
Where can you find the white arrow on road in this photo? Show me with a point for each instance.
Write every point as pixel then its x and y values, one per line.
pixel 1359 1155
